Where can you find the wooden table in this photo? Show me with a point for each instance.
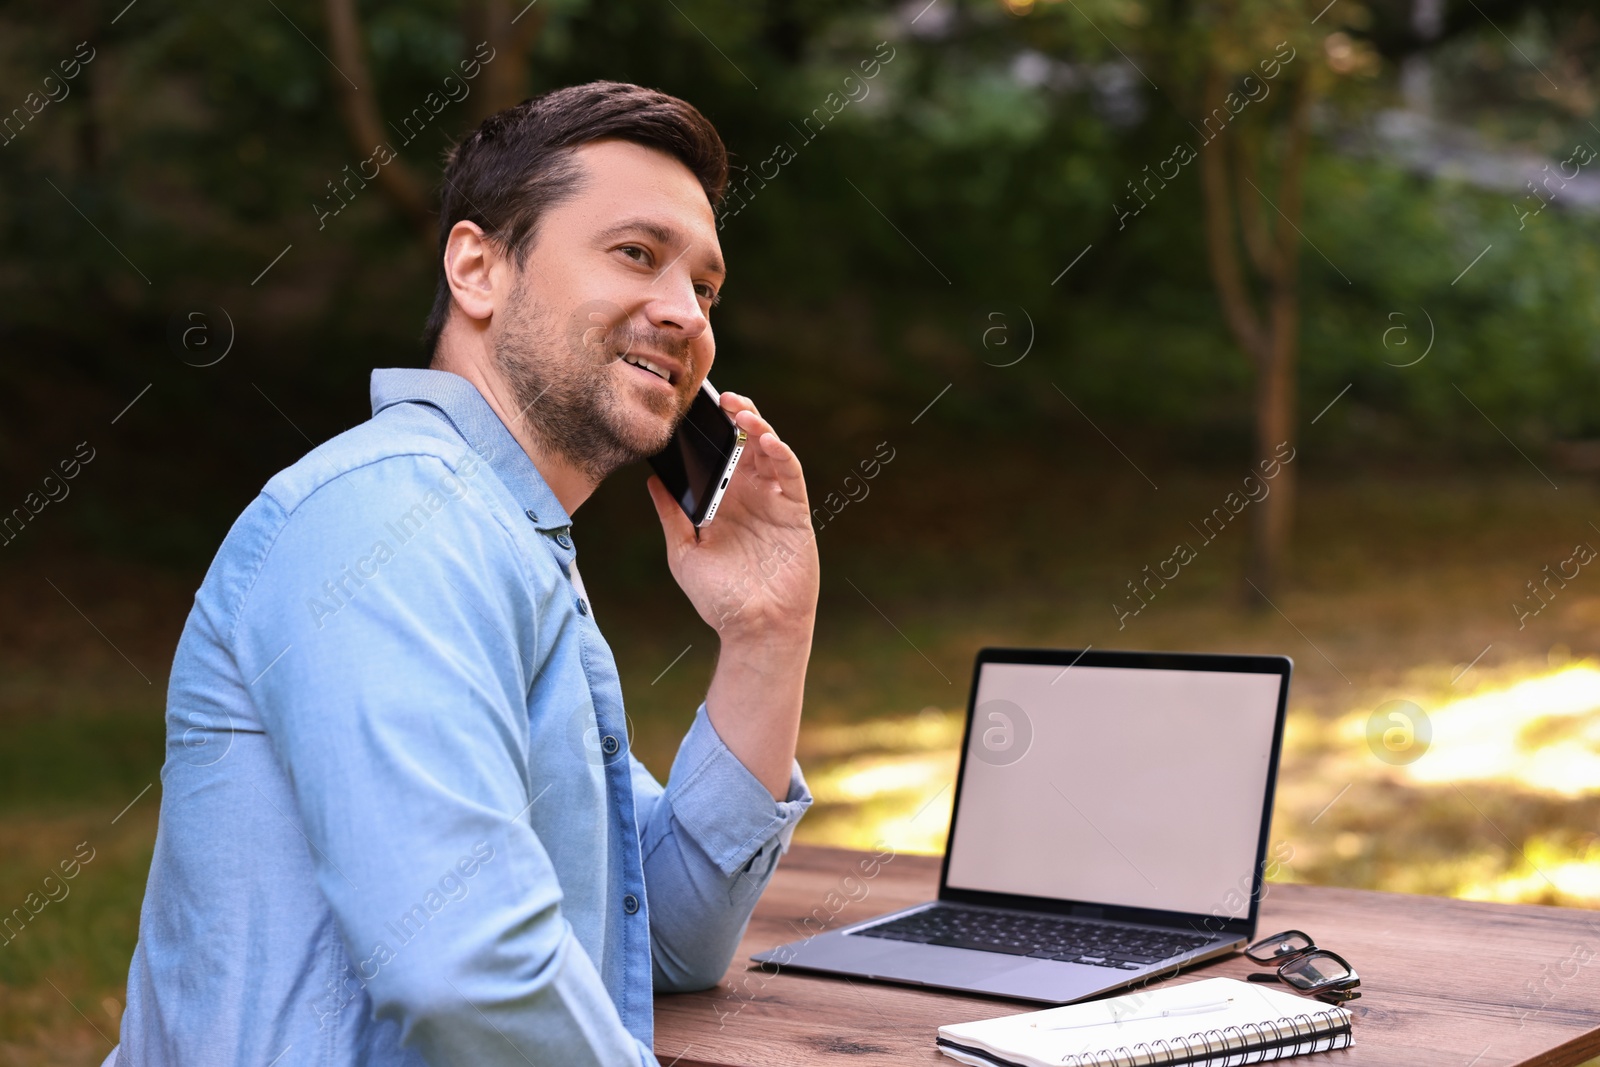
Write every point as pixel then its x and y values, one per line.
pixel 1446 983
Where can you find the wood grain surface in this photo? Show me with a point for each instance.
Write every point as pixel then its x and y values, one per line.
pixel 1446 983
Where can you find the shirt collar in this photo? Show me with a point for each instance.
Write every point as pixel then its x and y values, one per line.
pixel 459 401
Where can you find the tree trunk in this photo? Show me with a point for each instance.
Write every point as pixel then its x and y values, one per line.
pixel 506 79
pixel 1236 211
pixel 1276 376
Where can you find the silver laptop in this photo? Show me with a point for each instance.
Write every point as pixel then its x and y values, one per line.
pixel 1109 827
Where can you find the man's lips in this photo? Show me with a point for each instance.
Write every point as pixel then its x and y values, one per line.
pixel 650 374
pixel 671 368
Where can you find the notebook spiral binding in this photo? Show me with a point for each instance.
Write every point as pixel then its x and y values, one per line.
pixel 1248 1039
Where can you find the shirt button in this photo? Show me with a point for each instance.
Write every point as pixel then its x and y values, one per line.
pixel 630 903
pixel 583 607
pixel 563 540
pixel 608 745
pixel 531 516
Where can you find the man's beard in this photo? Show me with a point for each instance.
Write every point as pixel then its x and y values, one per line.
pixel 565 389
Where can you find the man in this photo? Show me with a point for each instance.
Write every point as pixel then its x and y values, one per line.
pixel 400 823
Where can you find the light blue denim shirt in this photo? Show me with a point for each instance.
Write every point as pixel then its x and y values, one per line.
pixel 400 822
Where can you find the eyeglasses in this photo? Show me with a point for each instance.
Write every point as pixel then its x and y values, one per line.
pixel 1301 964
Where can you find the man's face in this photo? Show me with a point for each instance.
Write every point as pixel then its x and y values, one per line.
pixel 624 270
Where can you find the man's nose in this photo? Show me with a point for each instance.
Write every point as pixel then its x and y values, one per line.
pixel 674 306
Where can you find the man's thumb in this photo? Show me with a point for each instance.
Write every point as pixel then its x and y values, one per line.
pixel 674 523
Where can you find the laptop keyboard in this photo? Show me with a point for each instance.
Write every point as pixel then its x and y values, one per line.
pixel 1038 936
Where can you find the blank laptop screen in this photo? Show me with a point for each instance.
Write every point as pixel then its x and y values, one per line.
pixel 1137 787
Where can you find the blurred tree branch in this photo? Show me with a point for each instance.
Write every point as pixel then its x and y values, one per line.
pixel 364 123
pixel 505 83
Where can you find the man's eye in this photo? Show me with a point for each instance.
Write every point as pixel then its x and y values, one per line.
pixel 711 295
pixel 626 249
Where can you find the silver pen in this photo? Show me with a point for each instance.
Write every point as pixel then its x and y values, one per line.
pixel 1188 1009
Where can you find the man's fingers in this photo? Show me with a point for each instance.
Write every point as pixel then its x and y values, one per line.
pixel 760 456
pixel 752 424
pixel 770 459
pixel 733 403
pixel 781 465
pixel 774 459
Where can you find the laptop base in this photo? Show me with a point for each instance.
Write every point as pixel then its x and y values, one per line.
pixel 997 974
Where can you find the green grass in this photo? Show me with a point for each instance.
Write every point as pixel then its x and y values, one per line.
pixel 63 779
pixel 80 757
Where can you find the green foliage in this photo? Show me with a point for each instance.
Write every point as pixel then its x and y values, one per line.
pixel 1519 333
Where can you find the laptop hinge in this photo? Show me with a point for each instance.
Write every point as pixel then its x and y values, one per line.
pixel 1088 911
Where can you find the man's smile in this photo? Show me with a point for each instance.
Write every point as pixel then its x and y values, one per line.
pixel 650 367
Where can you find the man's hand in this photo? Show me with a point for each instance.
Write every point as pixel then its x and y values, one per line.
pixel 752 572
pixel 753 575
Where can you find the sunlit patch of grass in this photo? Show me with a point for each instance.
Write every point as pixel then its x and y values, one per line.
pixel 1551 871
pixel 1497 807
pixel 1542 733
pixel 858 780
pixel 900 821
pixel 886 780
pixel 931 729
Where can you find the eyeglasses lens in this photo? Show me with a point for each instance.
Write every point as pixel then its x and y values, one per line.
pixel 1278 946
pixel 1314 972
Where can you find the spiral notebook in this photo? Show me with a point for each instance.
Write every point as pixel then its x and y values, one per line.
pixel 1218 1022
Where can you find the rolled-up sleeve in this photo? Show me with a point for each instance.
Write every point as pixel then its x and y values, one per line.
pixel 395 703
pixel 711 840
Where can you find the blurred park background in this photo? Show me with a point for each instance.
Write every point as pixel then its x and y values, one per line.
pixel 1076 265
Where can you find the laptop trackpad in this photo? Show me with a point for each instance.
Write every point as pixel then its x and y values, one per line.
pixel 983 972
pixel 911 962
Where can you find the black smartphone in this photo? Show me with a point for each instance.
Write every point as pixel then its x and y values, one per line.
pixel 698 462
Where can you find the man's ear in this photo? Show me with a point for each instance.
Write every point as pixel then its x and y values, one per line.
pixel 470 262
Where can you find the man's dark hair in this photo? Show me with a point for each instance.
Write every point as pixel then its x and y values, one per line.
pixel 519 162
